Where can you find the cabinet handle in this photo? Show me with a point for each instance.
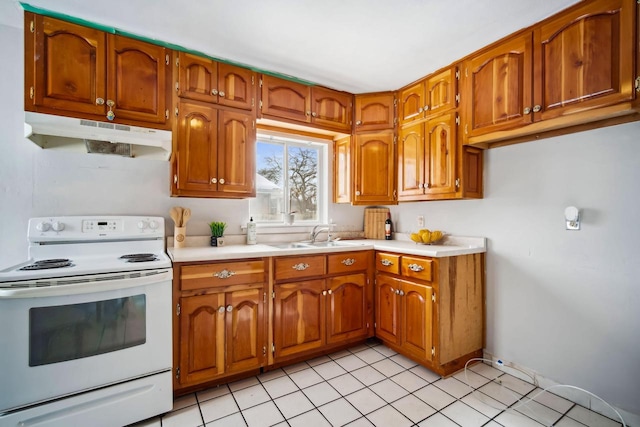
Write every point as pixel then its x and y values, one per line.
pixel 386 262
pixel 214 181
pixel 358 122
pixel 300 267
pixel 314 114
pixel 329 291
pixel 415 267
pixel 221 309
pixel 224 274
pixel 229 308
pixel 221 181
pixel 308 113
pixel 110 114
pixel 214 92
pixel 527 110
pixel 348 261
pixel 420 110
pixel 99 101
pixel 427 185
pixel 221 94
pixel 393 291
pixel 426 108
pixel 357 193
pixel 457 183
pixel 401 293
pixel 324 292
pixel 536 108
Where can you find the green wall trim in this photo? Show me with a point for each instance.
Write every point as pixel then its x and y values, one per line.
pixel 27 7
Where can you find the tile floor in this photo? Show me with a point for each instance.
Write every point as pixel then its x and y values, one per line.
pixel 371 385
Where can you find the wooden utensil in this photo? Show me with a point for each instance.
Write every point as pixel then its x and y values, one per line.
pixel 186 215
pixel 180 213
pixel 175 215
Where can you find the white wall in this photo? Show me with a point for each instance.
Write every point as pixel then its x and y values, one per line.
pixel 564 304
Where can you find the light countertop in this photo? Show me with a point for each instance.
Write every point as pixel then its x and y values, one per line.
pixel 452 246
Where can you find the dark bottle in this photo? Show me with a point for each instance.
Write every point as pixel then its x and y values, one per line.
pixel 387 227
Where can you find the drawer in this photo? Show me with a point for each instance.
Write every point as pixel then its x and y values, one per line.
pixel 296 267
pixel 221 274
pixel 388 263
pixel 348 261
pixel 417 268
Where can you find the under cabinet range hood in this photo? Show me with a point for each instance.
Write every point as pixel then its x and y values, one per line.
pixel 89 136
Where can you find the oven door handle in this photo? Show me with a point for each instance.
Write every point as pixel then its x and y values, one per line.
pixel 89 285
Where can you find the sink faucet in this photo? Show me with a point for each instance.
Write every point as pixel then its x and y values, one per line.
pixel 319 229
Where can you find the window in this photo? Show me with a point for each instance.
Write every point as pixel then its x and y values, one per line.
pixel 291 178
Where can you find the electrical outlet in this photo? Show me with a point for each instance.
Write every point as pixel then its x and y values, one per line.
pixel 420 221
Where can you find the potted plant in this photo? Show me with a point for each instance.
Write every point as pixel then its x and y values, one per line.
pixel 217 230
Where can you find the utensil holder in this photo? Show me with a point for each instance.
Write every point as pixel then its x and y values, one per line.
pixel 179 237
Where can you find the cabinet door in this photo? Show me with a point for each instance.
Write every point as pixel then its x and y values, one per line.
pixel 440 92
pixel 374 171
pixel 441 148
pixel 236 86
pixel 137 77
pixel 245 330
pixel 299 317
pixel 374 112
pixel 331 109
pixel 201 338
pixel 342 170
pixel 499 88
pixel 387 306
pixel 198 78
pixel 411 161
pixel 285 99
pixel 586 59
pixel 412 102
pixel 346 308
pixel 236 153
pixel 197 155
pixel 472 163
pixel 69 63
pixel 416 310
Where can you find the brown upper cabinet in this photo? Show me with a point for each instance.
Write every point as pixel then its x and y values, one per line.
pixel 310 105
pixel 436 94
pixel 554 75
pixel 342 170
pixel 374 169
pixel 207 80
pixel 375 111
pixel 77 71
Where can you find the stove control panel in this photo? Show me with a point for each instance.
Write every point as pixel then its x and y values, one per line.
pixel 76 228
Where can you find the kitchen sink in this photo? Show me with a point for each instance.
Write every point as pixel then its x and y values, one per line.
pixel 307 245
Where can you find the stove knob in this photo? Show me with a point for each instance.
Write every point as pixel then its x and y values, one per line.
pixel 43 226
pixel 57 226
pixel 142 225
pixel 153 224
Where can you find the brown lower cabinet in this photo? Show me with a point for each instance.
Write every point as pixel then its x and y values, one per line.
pixel 320 302
pixel 219 323
pixel 431 309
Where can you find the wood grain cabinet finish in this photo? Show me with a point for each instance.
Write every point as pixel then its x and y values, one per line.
pixel 428 159
pixel 574 69
pixel 206 80
pixel 374 168
pixel 83 72
pixel 312 105
pixel 375 111
pixel 435 94
pixel 219 323
pixel 342 170
pixel 331 309
pixel 431 309
pixel 215 152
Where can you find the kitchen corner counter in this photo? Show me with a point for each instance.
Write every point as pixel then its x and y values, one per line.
pixel 452 246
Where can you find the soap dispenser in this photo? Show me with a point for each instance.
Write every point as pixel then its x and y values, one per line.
pixel 251 232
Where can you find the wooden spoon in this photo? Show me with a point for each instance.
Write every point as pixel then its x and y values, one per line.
pixel 186 215
pixel 175 215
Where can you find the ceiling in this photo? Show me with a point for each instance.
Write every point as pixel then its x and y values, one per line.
pixel 353 45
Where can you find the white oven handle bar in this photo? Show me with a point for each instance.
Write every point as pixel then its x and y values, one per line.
pixel 119 281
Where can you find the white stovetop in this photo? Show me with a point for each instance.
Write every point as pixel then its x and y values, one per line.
pixel 453 246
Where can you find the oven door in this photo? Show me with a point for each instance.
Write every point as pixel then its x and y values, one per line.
pixel 62 340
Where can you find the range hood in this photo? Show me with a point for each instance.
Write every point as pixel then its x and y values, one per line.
pixel 88 136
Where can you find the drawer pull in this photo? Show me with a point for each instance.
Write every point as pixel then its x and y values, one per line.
pixel 300 267
pixel 221 309
pixel 229 308
pixel 386 262
pixel 415 267
pixel 348 261
pixel 224 274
